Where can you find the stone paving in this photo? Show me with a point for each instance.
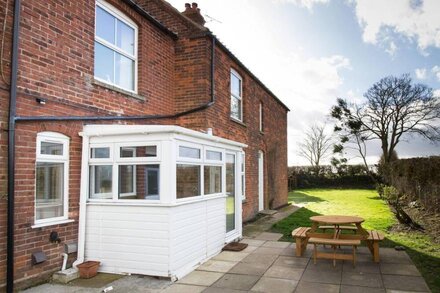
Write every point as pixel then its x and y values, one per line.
pixel 267 265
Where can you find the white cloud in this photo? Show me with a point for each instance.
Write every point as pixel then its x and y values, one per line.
pixel 305 3
pixel 421 73
pixel 392 48
pixel 436 71
pixel 419 22
pixel 309 87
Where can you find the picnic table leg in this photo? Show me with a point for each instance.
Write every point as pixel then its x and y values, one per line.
pixel 376 251
pixel 298 250
pixel 304 245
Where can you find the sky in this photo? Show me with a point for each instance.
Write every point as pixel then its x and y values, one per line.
pixel 310 52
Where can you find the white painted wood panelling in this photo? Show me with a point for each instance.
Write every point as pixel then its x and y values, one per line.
pixel 167 241
pixel 128 239
pixel 199 232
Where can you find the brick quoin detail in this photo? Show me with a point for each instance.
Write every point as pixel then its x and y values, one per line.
pixel 56 60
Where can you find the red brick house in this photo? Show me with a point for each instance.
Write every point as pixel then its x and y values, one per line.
pixel 128 111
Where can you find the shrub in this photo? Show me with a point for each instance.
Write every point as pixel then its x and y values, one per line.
pixel 418 179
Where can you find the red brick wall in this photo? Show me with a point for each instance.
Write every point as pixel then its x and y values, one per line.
pixel 273 140
pixel 56 63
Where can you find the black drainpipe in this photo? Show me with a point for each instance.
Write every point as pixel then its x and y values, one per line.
pixel 11 134
pixel 11 150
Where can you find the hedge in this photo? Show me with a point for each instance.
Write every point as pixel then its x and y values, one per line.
pixel 419 179
pixel 308 177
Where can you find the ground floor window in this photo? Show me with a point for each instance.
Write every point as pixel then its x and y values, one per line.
pixel 138 181
pixel 213 179
pixel 124 172
pixel 188 179
pixel 51 177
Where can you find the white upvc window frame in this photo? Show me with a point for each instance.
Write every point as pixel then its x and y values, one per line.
pixel 188 159
pixel 119 159
pixel 156 196
pixel 261 115
pixel 233 96
pixel 100 162
pixel 115 161
pixel 214 163
pixel 133 181
pixel 126 20
pixel 202 162
pixel 59 138
pixel 201 184
pixel 213 149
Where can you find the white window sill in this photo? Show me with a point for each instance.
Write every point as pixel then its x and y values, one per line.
pixel 40 225
pixel 117 89
pixel 233 119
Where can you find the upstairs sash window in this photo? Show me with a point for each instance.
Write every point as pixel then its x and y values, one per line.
pixel 236 96
pixel 115 47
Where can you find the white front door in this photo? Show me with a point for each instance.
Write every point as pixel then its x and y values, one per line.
pixel 260 181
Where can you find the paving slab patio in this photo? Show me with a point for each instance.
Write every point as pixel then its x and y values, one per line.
pixel 270 267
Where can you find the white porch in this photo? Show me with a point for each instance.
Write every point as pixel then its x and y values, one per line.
pixel 157 200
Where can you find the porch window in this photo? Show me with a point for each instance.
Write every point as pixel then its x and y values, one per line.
pixel 115 47
pixel 212 179
pixel 101 181
pixel 189 152
pixel 188 180
pixel 51 176
pixel 124 171
pixel 138 151
pixel 139 181
pixel 236 96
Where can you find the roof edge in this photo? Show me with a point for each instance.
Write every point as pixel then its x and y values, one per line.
pixel 139 9
pixel 236 60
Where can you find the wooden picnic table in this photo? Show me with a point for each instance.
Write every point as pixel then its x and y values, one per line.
pixel 337 221
pixel 371 238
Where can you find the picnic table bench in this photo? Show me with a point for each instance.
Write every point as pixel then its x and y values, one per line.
pixel 334 243
pixel 303 235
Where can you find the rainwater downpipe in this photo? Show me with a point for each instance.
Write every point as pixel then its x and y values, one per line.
pixel 11 150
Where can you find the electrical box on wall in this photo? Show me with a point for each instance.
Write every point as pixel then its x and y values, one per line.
pixel 38 257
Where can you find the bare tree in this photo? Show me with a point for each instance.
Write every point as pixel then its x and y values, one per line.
pixel 394 107
pixel 316 146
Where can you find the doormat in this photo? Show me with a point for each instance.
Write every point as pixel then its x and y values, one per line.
pixel 235 246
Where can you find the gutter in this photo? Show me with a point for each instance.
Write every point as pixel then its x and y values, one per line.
pixel 13 118
pixel 11 150
pixel 148 16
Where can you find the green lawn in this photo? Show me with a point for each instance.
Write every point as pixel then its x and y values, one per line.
pixel 377 215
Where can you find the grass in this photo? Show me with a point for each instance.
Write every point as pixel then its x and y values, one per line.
pixel 367 204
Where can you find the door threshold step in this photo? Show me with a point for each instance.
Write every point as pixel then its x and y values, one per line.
pixel 268 212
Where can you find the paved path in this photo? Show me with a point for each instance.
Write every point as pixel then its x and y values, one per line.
pixel 263 224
